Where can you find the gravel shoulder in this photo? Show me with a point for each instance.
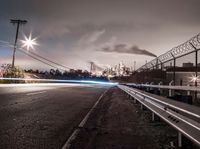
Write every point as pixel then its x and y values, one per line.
pixel 118 123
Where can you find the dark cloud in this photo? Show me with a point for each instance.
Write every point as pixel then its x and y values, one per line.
pixel 123 48
pixel 67 26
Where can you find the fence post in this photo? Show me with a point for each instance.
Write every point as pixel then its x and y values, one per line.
pixel 188 92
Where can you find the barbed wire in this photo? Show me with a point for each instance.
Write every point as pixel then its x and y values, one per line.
pixel 186 48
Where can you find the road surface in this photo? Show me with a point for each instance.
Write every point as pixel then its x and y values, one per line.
pixel 43 116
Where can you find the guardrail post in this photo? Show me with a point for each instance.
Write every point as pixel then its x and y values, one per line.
pixel 179 139
pixel 141 107
pixel 150 85
pixel 127 96
pixel 160 83
pixel 188 92
pixel 170 90
pixel 148 88
pixel 153 116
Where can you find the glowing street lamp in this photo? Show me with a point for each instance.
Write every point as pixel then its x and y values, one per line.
pixel 29 42
pixel 194 79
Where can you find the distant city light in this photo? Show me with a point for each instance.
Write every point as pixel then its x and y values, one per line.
pixel 194 79
pixel 29 42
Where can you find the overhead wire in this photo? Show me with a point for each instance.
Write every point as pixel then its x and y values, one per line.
pixel 35 56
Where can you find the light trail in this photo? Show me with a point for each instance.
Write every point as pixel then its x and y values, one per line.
pixel 61 81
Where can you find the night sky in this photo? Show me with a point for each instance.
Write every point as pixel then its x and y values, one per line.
pixel 73 32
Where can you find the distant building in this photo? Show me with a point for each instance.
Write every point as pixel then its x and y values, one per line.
pixel 189 64
pixel 117 70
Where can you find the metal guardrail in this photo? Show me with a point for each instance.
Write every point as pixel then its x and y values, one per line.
pixel 183 117
pixel 183 88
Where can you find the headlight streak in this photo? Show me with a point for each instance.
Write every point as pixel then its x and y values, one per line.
pixel 60 81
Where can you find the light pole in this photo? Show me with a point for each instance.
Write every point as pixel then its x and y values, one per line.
pixel 196 68
pixel 134 66
pixel 18 22
pixel 174 68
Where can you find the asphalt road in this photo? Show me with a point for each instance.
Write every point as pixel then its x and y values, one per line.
pixel 43 116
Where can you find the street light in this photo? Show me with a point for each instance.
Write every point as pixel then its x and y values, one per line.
pixel 194 79
pixel 29 42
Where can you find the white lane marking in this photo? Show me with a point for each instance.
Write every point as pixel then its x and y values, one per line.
pixel 34 93
pixel 82 123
